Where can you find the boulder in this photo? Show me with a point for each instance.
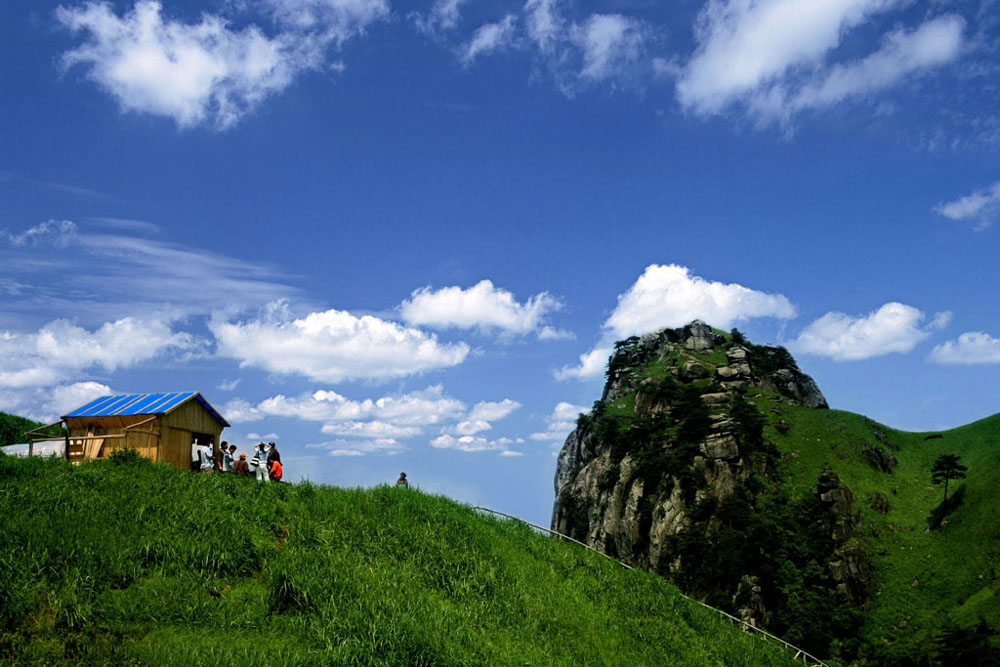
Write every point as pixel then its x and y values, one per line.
pixel 698 336
pixel 691 371
pixel 720 447
pixel 726 373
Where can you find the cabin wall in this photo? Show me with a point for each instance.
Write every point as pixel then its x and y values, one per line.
pixel 184 423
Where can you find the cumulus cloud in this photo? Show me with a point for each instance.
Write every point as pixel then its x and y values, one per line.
pixel 489 38
pixel 981 206
pixel 471 443
pixel 333 345
pixel 546 27
pixel 670 296
pixel 482 415
pixel 560 422
pixel 895 327
pixel 48 404
pixel 191 73
pixel 370 429
pixel 973 347
pixel 422 408
pixel 482 306
pixel 341 447
pixel 775 55
pixel 206 72
pixel 61 350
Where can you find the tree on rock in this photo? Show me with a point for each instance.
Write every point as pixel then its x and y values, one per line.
pixel 946 468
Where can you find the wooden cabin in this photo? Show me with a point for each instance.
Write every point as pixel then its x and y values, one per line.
pixel 161 427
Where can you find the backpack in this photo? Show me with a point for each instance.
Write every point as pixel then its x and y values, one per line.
pixel 255 461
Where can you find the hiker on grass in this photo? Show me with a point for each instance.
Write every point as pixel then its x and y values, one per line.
pixel 276 471
pixel 227 456
pixel 401 482
pixel 241 467
pixel 259 462
pixel 207 460
pixel 195 456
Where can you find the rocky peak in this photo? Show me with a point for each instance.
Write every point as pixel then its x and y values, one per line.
pixel 675 449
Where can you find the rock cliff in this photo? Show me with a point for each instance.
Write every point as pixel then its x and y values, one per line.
pixel 671 472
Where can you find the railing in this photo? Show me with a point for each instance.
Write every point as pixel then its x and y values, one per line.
pixel 747 627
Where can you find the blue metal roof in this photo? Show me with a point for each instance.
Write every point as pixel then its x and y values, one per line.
pixel 141 404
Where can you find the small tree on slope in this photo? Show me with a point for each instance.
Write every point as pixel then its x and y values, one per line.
pixel 945 468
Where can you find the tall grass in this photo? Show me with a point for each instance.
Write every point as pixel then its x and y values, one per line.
pixel 143 564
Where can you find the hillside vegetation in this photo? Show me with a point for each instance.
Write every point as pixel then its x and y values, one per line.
pixel 12 428
pixel 128 561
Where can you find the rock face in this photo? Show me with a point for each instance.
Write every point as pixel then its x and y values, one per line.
pixel 636 486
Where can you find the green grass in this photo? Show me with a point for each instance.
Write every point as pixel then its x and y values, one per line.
pixel 956 567
pixel 142 564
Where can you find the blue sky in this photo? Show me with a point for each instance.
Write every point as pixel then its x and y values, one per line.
pixel 403 236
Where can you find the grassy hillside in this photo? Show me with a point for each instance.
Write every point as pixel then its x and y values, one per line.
pixel 136 562
pixel 926 580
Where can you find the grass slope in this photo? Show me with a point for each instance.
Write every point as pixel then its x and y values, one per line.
pixel 925 580
pixel 143 564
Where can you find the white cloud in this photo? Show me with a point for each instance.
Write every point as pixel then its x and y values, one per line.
pixel 773 54
pixel 48 404
pixel 370 429
pixel 387 446
pixel 192 73
pixel 61 350
pixel 228 385
pixel 426 407
pixel 669 296
pixel 934 43
pixel 560 422
pixel 333 345
pixel 493 410
pixel 482 306
pixel 591 365
pixel 983 206
pixel 611 46
pixel 489 38
pixel 511 452
pixel 895 327
pixel 470 443
pixel 267 437
pixel 973 347
pixel 443 15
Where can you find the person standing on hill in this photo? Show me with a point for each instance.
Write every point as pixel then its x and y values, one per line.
pixel 195 456
pixel 259 462
pixel 226 451
pixel 401 482
pixel 207 460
